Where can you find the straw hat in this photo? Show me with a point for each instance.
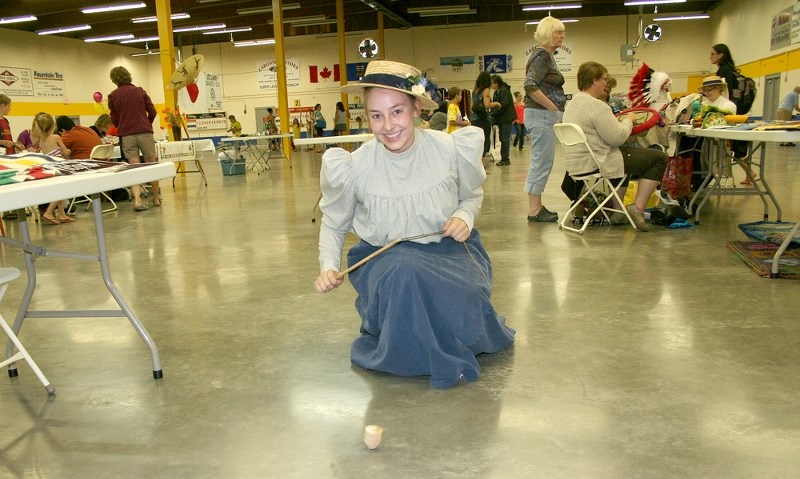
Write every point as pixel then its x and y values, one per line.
pixel 393 76
pixel 713 80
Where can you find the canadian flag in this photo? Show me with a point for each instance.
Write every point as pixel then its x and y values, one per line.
pixel 325 74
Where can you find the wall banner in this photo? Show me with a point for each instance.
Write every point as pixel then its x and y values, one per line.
pixel 268 74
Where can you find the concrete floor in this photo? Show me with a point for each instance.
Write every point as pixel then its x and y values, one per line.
pixel 637 355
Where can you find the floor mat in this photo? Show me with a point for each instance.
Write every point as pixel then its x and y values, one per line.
pixel 769 231
pixel 758 256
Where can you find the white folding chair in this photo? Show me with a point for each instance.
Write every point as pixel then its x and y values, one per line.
pixel 6 276
pixel 572 138
pixel 99 152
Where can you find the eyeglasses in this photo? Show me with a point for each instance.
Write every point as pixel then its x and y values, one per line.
pixel 605 79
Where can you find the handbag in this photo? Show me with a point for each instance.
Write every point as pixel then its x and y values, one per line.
pixel 321 124
pixel 677 180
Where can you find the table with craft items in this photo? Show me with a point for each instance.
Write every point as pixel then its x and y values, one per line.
pixel 259 150
pixel 180 153
pixel 18 196
pixel 327 141
pixel 758 139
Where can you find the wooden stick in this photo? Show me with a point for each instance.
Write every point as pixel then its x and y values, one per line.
pixel 376 253
pixel 384 248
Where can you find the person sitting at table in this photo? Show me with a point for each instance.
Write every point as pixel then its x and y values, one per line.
pixel 606 136
pixel 79 139
pixel 425 303
pixel 101 125
pixel 712 91
pixel 48 143
pixel 236 127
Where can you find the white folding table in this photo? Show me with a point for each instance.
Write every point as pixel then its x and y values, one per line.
pixel 21 195
pixel 258 149
pixel 179 152
pixel 331 140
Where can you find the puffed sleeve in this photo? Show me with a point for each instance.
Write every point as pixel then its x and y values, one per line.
pixel 337 206
pixel 468 143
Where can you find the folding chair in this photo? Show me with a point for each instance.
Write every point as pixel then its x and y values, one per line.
pixel 6 276
pixel 99 152
pixel 571 136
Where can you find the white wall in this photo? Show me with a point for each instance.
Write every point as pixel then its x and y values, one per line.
pixel 682 51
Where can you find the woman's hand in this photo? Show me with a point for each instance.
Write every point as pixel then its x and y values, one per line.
pixel 327 281
pixel 457 229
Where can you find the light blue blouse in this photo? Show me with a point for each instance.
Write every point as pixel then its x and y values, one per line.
pixel 382 196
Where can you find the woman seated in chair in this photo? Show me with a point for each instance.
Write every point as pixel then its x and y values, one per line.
pixel 606 136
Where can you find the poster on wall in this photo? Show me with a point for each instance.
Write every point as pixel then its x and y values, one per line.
pixel 459 64
pixel 563 57
pixel 495 63
pixel 781 31
pixel 213 91
pixel 796 23
pixel 48 84
pixel 16 81
pixel 356 71
pixel 206 121
pixel 268 74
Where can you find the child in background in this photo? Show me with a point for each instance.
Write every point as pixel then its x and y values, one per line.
pixel 236 127
pixel 295 132
pixel 455 119
pixel 50 144
pixel 519 123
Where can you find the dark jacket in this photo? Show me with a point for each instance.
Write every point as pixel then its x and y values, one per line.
pixel 131 110
pixel 506 114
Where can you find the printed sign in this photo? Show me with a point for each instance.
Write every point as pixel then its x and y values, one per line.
pixel 206 121
pixel 16 81
pixel 213 91
pixel 48 84
pixel 268 74
pixel 495 63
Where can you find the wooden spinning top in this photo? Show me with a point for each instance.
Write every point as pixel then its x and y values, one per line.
pixel 373 435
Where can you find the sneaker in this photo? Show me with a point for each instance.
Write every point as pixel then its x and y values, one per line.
pixel 666 198
pixel 503 163
pixel 543 216
pixel 638 218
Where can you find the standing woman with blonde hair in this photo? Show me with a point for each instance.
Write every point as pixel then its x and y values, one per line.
pixel 544 107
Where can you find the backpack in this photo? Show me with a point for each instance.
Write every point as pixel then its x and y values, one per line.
pixel 744 93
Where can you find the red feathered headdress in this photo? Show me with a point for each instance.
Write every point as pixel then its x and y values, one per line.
pixel 648 86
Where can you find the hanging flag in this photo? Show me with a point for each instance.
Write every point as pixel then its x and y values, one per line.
pixel 325 74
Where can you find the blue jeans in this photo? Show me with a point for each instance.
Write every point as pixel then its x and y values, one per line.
pixel 539 125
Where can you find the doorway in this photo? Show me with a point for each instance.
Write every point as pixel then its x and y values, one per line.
pixel 261 113
pixel 772 96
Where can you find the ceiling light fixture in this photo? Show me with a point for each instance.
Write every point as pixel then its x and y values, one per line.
pixel 564 6
pixel 686 16
pixel 108 38
pixel 198 28
pixel 153 18
pixel 256 10
pixel 310 18
pixel 23 18
pixel 441 11
pixel 149 52
pixel 74 28
pixel 141 40
pixel 563 20
pixel 633 3
pixel 253 43
pixel 312 23
pixel 230 30
pixel 114 8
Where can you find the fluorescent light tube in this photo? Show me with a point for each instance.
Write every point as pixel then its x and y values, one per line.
pixel 444 14
pixel 114 8
pixel 230 30
pixel 23 18
pixel 153 18
pixel 198 28
pixel 141 40
pixel 688 16
pixel 563 20
pixel 256 10
pixel 565 6
pixel 149 52
pixel 633 3
pixel 74 28
pixel 253 43
pixel 108 38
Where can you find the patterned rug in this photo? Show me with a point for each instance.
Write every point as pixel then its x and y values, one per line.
pixel 769 231
pixel 758 256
